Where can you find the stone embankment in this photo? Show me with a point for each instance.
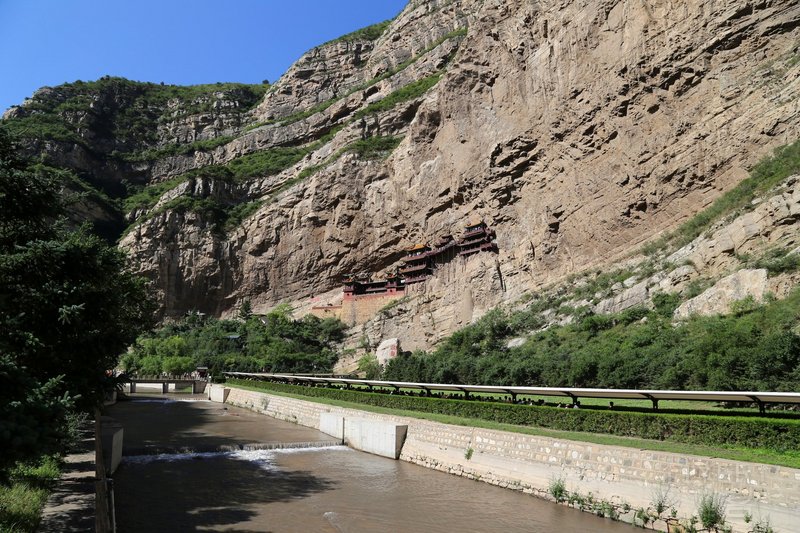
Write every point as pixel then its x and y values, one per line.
pixel 531 463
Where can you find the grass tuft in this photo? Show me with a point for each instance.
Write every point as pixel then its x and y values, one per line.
pixel 25 492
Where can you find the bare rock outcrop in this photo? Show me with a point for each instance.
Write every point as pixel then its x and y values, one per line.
pixel 577 129
pixel 773 220
pixel 742 284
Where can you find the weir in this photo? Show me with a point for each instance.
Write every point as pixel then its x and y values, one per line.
pixel 270 475
pixel 529 463
pixel 133 451
pixel 373 436
pixel 378 437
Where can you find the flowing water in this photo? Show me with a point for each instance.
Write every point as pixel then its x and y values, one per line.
pixel 314 489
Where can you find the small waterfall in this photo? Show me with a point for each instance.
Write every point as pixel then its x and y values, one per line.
pixel 162 453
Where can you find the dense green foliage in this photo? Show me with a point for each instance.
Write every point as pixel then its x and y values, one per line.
pixel 28 409
pixel 45 126
pixel 757 348
pixel 68 307
pixel 274 342
pixel 24 494
pixel 263 163
pixel 145 197
pixel 781 435
pixel 374 147
pixel 775 260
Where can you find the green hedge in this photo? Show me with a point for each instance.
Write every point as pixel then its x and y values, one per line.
pixel 748 432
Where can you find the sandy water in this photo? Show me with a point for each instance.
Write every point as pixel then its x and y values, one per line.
pixel 327 489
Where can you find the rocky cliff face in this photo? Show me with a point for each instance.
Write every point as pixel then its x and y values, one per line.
pixel 577 129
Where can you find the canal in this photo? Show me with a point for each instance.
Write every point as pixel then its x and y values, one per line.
pixel 184 470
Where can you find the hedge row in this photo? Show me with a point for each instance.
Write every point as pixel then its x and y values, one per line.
pixel 747 432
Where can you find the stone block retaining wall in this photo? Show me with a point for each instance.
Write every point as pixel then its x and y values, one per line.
pixel 529 463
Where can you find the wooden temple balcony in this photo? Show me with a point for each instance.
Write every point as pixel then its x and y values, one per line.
pixel 414 268
pixel 442 249
pixel 468 234
pixel 474 240
pixel 416 258
pixel 375 289
pixel 416 279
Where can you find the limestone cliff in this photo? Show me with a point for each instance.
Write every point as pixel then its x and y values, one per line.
pixel 577 128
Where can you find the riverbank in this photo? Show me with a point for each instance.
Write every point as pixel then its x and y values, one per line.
pixel 626 480
pixel 244 487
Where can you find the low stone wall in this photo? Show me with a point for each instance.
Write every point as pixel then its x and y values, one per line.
pixel 375 436
pixel 111 435
pixel 529 463
pixel 217 393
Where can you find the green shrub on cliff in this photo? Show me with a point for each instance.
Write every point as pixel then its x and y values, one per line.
pixel 413 90
pixel 374 147
pixel 367 33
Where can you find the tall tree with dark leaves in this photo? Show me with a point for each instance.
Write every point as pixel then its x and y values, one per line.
pixel 68 308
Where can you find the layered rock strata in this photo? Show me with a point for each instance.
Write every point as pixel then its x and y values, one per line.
pixel 576 129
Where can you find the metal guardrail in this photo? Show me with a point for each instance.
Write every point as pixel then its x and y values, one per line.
pixel 759 398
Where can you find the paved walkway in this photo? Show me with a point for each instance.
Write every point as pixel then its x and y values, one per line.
pixel 70 507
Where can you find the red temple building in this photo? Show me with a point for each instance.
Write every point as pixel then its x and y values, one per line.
pixel 477 238
pixel 353 287
pixel 364 297
pixel 416 265
pixel 421 260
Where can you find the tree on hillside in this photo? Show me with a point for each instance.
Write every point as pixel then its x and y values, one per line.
pixel 68 307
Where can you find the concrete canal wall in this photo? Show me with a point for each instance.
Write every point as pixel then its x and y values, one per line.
pixel 530 463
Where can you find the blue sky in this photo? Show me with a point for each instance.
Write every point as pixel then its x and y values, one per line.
pixel 48 42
